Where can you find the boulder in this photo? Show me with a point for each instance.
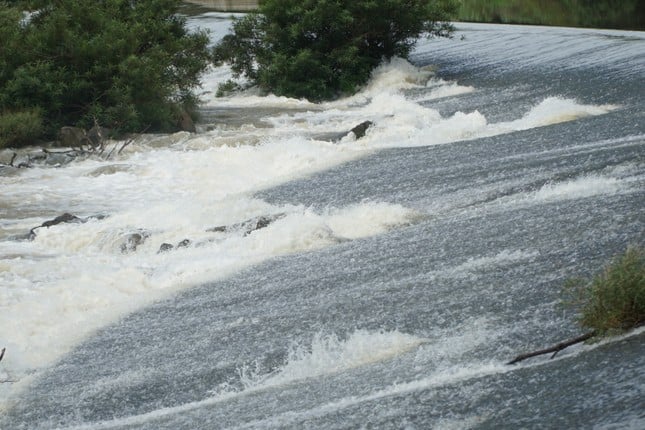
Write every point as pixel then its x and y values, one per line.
pixel 360 130
pixel 73 137
pixel 185 122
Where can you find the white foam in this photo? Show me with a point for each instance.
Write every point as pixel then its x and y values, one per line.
pixel 85 281
pixel 502 258
pixel 442 89
pixel 368 219
pixel 585 186
pixel 73 278
pixel 401 122
pixel 552 110
pixel 328 354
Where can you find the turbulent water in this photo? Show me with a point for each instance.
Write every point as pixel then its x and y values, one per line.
pixel 400 272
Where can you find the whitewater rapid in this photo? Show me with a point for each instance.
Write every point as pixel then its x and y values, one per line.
pixel 75 279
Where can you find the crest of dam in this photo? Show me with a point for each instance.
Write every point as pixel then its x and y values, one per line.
pixel 228 5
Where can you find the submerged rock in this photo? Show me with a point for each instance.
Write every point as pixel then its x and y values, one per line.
pixel 165 247
pixel 358 132
pixel 250 225
pixel 184 243
pixel 132 241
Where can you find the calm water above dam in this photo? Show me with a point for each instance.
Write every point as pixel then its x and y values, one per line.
pixel 399 272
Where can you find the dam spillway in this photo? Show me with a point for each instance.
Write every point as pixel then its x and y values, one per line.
pixel 228 5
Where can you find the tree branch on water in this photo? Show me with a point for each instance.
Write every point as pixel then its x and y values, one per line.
pixel 2 353
pixel 554 349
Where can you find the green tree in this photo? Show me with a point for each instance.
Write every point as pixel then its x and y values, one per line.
pixel 320 49
pixel 127 64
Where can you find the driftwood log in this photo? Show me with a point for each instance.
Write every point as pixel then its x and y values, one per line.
pixel 554 349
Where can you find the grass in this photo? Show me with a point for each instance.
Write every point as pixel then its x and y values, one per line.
pixel 625 14
pixel 614 300
pixel 19 128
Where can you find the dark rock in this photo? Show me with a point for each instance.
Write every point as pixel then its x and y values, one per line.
pixel 96 217
pixel 250 225
pixel 218 229
pixel 184 243
pixel 259 223
pixel 360 130
pixel 64 218
pixel 165 247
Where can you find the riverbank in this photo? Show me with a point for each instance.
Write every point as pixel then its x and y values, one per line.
pixel 621 14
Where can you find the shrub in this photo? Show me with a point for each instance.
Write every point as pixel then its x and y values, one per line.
pixel 20 128
pixel 614 300
pixel 320 49
pixel 129 64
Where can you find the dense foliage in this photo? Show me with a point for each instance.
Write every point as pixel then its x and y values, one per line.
pixel 319 49
pixel 128 64
pixel 615 299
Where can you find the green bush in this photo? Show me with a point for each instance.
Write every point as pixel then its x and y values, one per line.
pixel 320 49
pixel 129 64
pixel 20 128
pixel 614 300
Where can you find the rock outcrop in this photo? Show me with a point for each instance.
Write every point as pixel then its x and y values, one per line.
pixel 360 130
pixel 250 225
pixel 61 219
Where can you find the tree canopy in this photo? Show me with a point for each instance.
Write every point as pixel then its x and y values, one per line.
pixel 320 49
pixel 127 64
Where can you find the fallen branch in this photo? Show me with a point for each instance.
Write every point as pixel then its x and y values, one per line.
pixel 132 139
pixel 2 353
pixel 554 349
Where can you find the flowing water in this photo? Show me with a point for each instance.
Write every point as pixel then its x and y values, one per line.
pixel 400 272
